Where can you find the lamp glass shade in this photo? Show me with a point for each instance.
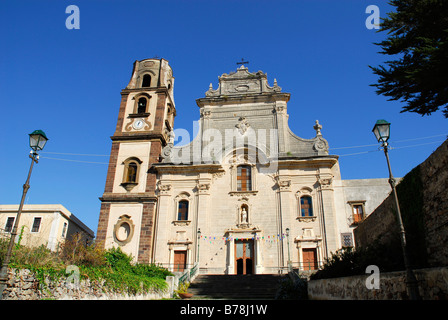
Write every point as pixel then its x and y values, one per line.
pixel 382 130
pixel 38 139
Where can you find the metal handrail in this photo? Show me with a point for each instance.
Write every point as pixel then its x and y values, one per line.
pixel 189 274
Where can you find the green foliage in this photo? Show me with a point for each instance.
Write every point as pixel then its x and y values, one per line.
pixel 388 256
pixel 418 42
pixel 349 262
pixel 76 252
pixel 112 267
pixel 292 290
pixel 183 287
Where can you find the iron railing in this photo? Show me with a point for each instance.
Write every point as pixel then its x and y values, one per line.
pixel 189 274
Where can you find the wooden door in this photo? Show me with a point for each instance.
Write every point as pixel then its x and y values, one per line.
pixel 309 259
pixel 244 256
pixel 180 261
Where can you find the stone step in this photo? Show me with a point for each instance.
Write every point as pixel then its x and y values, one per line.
pixel 235 286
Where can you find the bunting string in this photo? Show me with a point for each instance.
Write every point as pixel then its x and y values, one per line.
pixel 268 239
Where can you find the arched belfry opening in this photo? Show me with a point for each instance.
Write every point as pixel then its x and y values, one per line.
pixel 146 82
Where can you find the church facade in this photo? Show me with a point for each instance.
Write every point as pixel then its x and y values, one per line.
pixel 245 196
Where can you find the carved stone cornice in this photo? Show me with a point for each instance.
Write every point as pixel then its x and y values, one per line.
pixel 182 223
pixel 307 219
pixel 164 189
pixel 243 193
pixel 126 197
pixel 325 182
pixel 203 188
pixel 284 185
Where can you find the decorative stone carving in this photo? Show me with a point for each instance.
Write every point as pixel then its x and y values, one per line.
pixel 325 182
pixel 317 127
pixel 284 185
pixel 242 82
pixel 219 174
pixel 242 158
pixel 164 189
pixel 123 230
pixel 203 188
pixel 168 149
pixel 243 216
pixel 243 125
pixel 182 223
pixel 243 193
pixel 142 124
pixel 306 219
pixel 320 145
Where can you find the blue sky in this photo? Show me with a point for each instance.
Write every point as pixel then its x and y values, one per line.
pixel 68 82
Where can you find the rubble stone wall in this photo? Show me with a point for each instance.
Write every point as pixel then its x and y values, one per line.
pixel 24 285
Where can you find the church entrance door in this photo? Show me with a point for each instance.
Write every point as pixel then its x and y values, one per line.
pixel 244 256
pixel 180 261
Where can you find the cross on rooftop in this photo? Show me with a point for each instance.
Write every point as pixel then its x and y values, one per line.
pixel 242 61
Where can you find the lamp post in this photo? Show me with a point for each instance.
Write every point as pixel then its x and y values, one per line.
pixel 199 238
pixel 38 139
pixel 382 133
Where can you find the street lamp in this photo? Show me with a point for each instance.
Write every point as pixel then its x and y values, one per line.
pixel 382 133
pixel 38 139
pixel 199 238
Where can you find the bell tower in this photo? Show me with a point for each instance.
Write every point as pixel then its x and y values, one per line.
pixel 145 118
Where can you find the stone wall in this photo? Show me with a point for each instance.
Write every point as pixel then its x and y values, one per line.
pixel 433 285
pixel 434 172
pixel 23 285
pixel 424 206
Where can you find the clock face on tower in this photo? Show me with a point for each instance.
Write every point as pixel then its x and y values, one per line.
pixel 138 124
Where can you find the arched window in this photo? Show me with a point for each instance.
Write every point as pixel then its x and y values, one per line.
pixel 306 206
pixel 130 174
pixel 182 211
pixel 244 180
pixel 142 103
pixel 146 81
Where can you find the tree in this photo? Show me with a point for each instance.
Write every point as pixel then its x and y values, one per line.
pixel 418 41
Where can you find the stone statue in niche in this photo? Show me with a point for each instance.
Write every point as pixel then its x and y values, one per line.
pixel 244 216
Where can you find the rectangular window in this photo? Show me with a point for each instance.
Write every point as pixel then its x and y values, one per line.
pixel 182 213
pixel 36 224
pixel 9 224
pixel 358 213
pixel 347 240
pixel 64 230
pixel 243 181
pixel 306 206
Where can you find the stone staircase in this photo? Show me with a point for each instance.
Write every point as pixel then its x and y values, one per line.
pixel 228 287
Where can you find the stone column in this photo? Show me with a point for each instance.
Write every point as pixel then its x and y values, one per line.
pixel 230 268
pixel 284 189
pixel 202 216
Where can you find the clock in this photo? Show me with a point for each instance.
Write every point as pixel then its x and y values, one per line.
pixel 138 124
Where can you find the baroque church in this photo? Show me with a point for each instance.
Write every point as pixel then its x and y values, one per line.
pixel 245 196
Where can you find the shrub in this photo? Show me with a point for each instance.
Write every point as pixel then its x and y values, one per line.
pixel 75 251
pixel 112 266
pixel 292 290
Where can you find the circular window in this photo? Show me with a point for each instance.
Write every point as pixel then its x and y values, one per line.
pixel 123 230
